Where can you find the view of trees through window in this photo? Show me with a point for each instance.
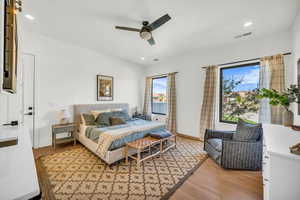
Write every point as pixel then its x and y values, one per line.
pixel 159 95
pixel 238 89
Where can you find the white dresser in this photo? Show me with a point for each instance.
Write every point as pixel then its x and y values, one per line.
pixel 281 169
pixel 18 177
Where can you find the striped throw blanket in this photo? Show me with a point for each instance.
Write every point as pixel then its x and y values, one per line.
pixel 107 137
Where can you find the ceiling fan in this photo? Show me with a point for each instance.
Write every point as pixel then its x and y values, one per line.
pixel 146 30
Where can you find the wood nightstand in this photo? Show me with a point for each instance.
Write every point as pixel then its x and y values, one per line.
pixel 63 128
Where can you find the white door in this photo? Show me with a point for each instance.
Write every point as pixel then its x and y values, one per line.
pixel 28 64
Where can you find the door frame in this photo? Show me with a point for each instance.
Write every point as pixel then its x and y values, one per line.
pixel 34 139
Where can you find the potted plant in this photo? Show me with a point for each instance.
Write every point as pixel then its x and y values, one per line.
pixel 285 99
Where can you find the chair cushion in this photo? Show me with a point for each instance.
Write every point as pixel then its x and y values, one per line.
pixel 213 153
pixel 215 143
pixel 160 134
pixel 247 132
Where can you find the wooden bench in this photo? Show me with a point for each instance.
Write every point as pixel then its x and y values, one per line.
pixel 148 143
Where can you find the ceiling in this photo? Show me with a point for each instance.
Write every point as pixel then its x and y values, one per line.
pixel 194 24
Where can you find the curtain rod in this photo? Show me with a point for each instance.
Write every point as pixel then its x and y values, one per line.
pixel 162 74
pixel 241 61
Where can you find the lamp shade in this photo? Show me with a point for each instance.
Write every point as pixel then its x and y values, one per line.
pixel 64 113
pixel 64 116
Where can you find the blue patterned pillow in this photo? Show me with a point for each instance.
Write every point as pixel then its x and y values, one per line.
pixel 104 118
pixel 247 132
pixel 121 114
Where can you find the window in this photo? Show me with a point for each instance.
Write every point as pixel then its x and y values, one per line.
pixel 238 87
pixel 159 95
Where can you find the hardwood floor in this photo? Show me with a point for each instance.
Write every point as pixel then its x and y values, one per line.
pixel 209 182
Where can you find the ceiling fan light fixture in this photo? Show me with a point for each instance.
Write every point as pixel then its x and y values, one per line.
pixel 146 31
pixel 146 35
pixel 248 24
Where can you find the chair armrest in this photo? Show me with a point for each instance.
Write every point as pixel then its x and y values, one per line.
pixel 218 134
pixel 241 144
pixel 241 154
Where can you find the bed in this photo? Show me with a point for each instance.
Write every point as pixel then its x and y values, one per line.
pixel 108 142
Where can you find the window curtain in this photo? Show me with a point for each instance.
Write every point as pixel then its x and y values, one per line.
pixel 272 73
pixel 207 120
pixel 147 98
pixel 264 115
pixel 171 99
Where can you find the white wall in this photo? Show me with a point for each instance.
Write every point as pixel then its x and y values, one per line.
pixel 296 56
pixel 190 78
pixel 66 75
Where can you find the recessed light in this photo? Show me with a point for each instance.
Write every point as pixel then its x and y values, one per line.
pixel 247 24
pixel 30 17
pixel 142 58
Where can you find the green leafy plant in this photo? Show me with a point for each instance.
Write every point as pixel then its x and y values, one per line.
pixel 237 104
pixel 291 95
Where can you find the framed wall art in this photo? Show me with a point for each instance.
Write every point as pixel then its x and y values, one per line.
pixel 8 46
pixel 105 85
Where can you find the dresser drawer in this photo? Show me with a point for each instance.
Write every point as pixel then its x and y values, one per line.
pixel 281 168
pixel 266 166
pixel 266 190
pixel 266 176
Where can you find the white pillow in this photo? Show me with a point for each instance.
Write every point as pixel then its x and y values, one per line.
pixel 97 112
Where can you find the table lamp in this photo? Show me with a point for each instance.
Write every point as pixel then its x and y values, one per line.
pixel 64 116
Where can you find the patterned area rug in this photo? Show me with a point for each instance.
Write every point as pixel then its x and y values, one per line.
pixel 79 174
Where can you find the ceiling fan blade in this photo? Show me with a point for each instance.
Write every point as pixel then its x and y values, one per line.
pixel 128 28
pixel 159 22
pixel 151 41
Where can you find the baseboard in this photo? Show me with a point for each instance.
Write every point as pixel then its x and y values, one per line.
pixel 189 137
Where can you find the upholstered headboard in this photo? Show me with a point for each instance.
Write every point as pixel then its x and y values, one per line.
pixel 86 108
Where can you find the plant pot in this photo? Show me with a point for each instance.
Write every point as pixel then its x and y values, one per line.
pixel 288 118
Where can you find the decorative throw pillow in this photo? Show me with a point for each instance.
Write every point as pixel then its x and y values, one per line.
pixel 88 119
pixel 121 114
pixel 97 112
pixel 247 132
pixel 116 121
pixel 103 118
pixel 160 134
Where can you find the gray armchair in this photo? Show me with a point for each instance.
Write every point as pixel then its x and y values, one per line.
pixel 234 154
